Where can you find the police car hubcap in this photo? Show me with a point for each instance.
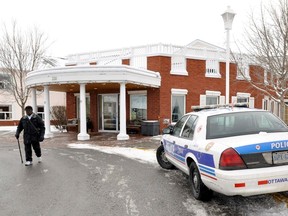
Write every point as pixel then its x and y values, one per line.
pixel 164 157
pixel 195 181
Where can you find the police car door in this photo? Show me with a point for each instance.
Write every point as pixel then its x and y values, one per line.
pixel 186 142
pixel 176 144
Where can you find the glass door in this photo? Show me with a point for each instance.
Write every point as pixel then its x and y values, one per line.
pixel 109 116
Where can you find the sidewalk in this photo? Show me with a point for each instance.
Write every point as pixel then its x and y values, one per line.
pixel 99 139
pixel 105 139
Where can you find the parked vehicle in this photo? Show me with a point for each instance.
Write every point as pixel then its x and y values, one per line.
pixel 228 149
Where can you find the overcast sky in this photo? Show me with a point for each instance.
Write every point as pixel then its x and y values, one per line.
pixel 76 26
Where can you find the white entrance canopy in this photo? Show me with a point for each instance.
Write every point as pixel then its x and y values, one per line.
pixel 82 75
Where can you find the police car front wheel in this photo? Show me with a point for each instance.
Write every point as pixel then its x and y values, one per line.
pixel 161 158
pixel 199 190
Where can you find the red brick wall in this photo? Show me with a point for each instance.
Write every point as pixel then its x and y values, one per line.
pixel 196 83
pixel 153 105
pixel 125 61
pixel 9 123
pixel 71 105
pixel 159 100
pixel 94 110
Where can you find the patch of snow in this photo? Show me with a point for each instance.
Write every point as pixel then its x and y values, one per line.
pixel 192 205
pixel 8 128
pixel 14 128
pixel 142 155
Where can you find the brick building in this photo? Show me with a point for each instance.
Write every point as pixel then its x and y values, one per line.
pixel 159 82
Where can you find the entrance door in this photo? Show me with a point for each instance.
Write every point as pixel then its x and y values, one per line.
pixel 109 112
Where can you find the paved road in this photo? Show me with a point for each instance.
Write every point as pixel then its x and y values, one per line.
pixel 87 182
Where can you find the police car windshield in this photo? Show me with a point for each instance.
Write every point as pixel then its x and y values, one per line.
pixel 243 123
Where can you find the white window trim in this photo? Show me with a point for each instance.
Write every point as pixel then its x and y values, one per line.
pixel 179 91
pixel 243 94
pixel 140 92
pixel 78 94
pixel 212 93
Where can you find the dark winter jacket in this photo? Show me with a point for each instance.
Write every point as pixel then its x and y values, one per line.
pixel 34 129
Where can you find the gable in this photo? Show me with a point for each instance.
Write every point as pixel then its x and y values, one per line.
pixel 199 44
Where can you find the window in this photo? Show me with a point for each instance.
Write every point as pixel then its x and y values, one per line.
pixel 243 123
pixel 40 111
pixel 177 107
pixel 178 65
pixel 178 103
pixel 243 71
pixel 4 80
pixel 5 112
pixel 188 130
pixel 242 99
pixel 179 125
pixel 243 67
pixel 212 68
pixel 212 98
pixel 138 107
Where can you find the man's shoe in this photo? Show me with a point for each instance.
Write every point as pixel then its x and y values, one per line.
pixel 39 159
pixel 28 163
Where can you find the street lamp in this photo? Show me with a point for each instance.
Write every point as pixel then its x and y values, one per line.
pixel 228 17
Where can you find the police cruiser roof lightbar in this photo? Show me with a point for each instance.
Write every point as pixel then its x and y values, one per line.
pixel 215 106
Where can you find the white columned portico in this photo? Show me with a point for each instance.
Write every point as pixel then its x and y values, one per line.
pixel 34 100
pixel 122 135
pixel 48 133
pixel 83 135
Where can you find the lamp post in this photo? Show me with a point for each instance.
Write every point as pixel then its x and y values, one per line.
pixel 228 17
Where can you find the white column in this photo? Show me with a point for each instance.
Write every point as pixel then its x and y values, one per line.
pixel 227 93
pixel 83 135
pixel 122 135
pixel 34 100
pixel 48 133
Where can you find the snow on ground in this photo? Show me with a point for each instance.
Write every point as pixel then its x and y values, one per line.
pixel 142 155
pixel 14 128
pixel 8 128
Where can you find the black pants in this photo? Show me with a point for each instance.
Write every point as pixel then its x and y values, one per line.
pixel 28 149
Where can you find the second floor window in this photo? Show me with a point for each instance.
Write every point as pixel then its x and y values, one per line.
pixel 212 100
pixel 212 68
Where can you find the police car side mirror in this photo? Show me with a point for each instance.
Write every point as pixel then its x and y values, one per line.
pixel 166 131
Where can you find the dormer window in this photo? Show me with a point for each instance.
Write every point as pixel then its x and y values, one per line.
pixel 178 65
pixel 212 68
pixel 243 68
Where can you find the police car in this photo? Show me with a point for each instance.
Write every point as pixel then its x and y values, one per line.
pixel 228 149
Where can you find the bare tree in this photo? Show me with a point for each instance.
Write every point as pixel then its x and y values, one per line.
pixel 59 116
pixel 266 46
pixel 20 53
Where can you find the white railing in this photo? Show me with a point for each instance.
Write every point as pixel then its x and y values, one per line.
pixel 138 56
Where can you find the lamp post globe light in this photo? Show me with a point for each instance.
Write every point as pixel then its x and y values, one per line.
pixel 228 17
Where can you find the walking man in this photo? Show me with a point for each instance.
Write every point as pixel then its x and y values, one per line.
pixel 34 131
